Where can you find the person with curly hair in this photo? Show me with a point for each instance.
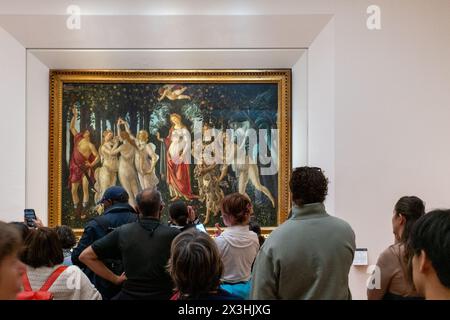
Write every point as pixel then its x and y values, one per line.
pixel 308 256
pixel 68 241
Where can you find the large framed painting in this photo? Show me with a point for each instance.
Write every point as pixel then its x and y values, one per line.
pixel 195 135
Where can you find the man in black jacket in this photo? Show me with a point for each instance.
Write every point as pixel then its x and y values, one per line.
pixel 144 247
pixel 117 212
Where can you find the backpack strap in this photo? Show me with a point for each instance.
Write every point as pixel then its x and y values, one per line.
pixel 53 278
pixel 26 282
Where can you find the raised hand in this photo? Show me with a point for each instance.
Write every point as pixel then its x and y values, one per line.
pixel 191 214
pixel 38 223
pixel 218 231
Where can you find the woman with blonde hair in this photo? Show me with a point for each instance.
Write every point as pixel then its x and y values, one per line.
pixel 178 144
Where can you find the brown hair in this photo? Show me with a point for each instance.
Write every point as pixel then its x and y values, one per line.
pixel 126 136
pixel 66 236
pixel 43 248
pixel 412 208
pixel 308 185
pixel 195 264
pixel 238 206
pixel 10 241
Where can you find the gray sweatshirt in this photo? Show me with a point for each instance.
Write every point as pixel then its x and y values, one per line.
pixel 307 257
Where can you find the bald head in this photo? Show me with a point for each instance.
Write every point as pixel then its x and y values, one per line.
pixel 149 202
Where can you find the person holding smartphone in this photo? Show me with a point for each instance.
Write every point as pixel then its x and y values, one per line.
pixel 31 220
pixel 184 217
pixel 195 220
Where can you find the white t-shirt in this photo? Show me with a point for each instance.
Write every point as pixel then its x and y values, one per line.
pixel 72 283
pixel 238 247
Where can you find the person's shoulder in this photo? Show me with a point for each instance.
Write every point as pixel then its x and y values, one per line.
pixel 387 256
pixel 169 229
pixel 121 209
pixel 188 227
pixel 284 229
pixel 276 240
pixel 75 271
pixel 128 226
pixel 67 271
pixel 219 240
pixel 72 269
pixel 92 226
pixel 132 214
pixel 341 223
pixel 253 237
pixel 91 223
pixel 394 250
pixel 119 218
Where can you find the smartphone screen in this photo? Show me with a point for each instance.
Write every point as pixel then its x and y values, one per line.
pixel 201 227
pixel 30 215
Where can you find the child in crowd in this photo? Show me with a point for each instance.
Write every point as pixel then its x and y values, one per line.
pixel 238 246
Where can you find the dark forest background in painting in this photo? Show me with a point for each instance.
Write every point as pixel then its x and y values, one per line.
pixel 145 107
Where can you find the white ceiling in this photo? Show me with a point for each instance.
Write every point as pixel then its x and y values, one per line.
pixel 168 59
pixel 157 34
pixel 166 32
pixel 168 7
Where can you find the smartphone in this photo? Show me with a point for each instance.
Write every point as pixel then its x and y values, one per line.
pixel 201 227
pixel 30 216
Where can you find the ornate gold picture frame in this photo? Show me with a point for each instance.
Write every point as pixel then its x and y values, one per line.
pixel 154 106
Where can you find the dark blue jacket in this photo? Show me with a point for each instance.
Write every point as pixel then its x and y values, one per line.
pixel 113 217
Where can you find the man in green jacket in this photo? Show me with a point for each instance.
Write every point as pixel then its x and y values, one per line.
pixel 308 256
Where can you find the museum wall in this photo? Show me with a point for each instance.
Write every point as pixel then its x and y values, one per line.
pixel 12 127
pixel 37 136
pixel 321 109
pixel 392 112
pixel 382 132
